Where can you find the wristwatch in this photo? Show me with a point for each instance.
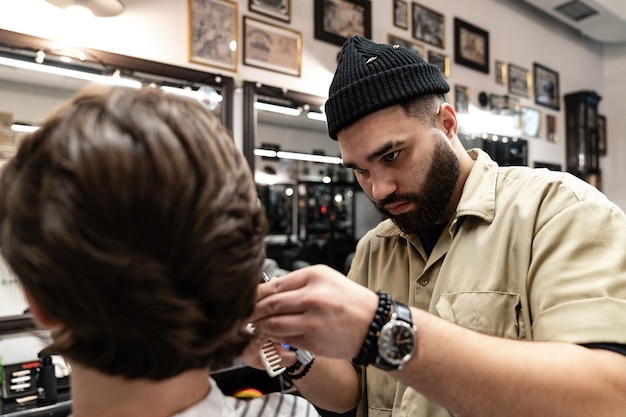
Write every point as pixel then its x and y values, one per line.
pixel 396 340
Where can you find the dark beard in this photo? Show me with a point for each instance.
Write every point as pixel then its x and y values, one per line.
pixel 432 201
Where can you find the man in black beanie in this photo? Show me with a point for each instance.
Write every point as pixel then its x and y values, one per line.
pixel 500 291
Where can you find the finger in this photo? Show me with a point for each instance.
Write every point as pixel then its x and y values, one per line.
pixel 279 296
pixel 288 282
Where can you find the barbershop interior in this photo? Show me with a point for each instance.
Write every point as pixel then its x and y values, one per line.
pixel 539 83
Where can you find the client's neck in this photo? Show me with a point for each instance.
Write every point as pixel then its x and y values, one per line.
pixel 98 395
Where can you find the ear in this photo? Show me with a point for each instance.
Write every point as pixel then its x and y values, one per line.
pixel 447 118
pixel 41 316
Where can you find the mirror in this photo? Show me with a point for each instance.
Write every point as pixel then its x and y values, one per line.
pixel 28 95
pixel 308 196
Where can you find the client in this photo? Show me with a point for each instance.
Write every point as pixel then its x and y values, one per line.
pixel 132 223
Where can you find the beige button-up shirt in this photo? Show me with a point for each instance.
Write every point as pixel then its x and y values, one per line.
pixel 530 254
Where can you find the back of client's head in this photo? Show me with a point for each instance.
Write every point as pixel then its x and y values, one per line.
pixel 132 220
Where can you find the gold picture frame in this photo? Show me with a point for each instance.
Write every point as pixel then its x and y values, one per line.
pixel 551 132
pixel 401 14
pixel 500 72
pixel 428 25
pixel 278 9
pixel 441 60
pixel 213 33
pixel 461 99
pixel 271 47
pixel 519 80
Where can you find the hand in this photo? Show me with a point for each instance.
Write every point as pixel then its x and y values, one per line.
pixel 315 308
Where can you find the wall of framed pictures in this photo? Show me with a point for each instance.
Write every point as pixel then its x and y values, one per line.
pixel 488 46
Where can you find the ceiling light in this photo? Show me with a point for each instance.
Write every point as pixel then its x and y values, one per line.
pixel 99 8
pixel 66 72
pixel 316 116
pixel 269 153
pixel 289 111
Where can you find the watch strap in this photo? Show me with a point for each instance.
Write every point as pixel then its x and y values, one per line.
pixel 402 312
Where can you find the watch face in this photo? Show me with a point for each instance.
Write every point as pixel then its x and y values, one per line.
pixel 396 343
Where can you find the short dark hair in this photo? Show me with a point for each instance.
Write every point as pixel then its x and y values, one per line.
pixel 424 108
pixel 131 217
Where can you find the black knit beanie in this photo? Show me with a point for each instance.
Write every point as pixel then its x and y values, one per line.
pixel 372 76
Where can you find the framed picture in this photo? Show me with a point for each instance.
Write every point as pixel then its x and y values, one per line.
pixel 519 81
pixel 213 33
pixel 461 99
pixel 504 104
pixel 500 70
pixel 601 135
pixel 278 9
pixel 401 14
pixel 546 82
pixel 271 47
pixel 531 121
pixel 413 46
pixel 441 60
pixel 471 46
pixel 551 134
pixel 428 25
pixel 337 20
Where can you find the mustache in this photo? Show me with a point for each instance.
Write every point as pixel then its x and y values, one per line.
pixel 393 198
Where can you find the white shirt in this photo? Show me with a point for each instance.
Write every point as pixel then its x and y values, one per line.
pixel 275 404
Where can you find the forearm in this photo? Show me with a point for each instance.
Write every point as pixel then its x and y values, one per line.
pixel 477 375
pixel 331 384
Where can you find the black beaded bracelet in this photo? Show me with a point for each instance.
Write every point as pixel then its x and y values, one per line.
pixel 305 371
pixel 293 368
pixel 369 349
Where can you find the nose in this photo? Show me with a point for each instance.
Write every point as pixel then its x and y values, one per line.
pixel 381 187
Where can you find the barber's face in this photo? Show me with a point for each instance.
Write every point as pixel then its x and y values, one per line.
pixel 407 169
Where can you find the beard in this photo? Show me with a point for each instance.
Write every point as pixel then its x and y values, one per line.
pixel 431 203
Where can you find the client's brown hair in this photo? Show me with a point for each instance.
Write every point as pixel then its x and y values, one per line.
pixel 132 218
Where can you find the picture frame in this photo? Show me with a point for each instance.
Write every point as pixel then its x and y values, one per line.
pixel 546 85
pixel 601 135
pixel 461 99
pixel 337 20
pixel 471 46
pixel 519 80
pixel 530 119
pixel 213 47
pixel 441 60
pixel 277 9
pixel 551 132
pixel 413 46
pixel 500 72
pixel 271 47
pixel 428 25
pixel 401 14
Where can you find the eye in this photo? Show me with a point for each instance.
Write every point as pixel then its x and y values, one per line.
pixel 392 156
pixel 359 170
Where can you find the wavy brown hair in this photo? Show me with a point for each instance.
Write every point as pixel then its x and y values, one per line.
pixel 132 218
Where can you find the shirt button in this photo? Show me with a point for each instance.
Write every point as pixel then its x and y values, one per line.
pixel 423 281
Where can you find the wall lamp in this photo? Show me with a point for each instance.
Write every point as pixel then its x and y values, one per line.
pixel 99 8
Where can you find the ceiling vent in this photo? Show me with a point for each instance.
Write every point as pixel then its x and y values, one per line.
pixel 576 10
pixel 600 20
